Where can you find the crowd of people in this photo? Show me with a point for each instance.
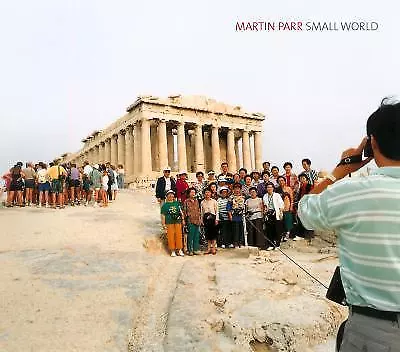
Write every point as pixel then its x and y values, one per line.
pixel 257 208
pixel 56 185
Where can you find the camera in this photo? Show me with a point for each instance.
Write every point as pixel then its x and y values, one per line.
pixel 368 148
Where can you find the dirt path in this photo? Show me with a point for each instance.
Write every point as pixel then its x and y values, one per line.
pixel 87 279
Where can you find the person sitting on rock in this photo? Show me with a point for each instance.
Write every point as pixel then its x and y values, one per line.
pixel 172 219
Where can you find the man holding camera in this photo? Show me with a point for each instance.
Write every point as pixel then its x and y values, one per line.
pixel 365 213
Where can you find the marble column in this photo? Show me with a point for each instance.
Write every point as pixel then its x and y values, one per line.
pixel 230 152
pixel 114 150
pixel 146 148
pixel 101 153
pixel 96 154
pixel 238 164
pixel 137 164
pixel 107 150
pixel 171 153
pixel 121 148
pixel 199 150
pixel 246 151
pixel 182 162
pixel 128 151
pixel 258 150
pixel 162 144
pixel 215 149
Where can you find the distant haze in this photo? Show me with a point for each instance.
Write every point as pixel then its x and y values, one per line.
pixel 70 67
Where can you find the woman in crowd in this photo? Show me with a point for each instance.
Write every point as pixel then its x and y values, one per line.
pixel 246 186
pixel 209 217
pixel 16 186
pixel 261 189
pixel 211 177
pixel 114 185
pixel 95 181
pixel 235 209
pixel 254 220
pixel 255 178
pixel 288 199
pixel 181 187
pixel 191 210
pixel 213 189
pixel 43 185
pixel 104 190
pixel 200 186
pixel 172 220
pixel 30 176
pixel 273 210
pixel 274 176
pixel 305 188
pixel 290 177
pixel 121 176
pixel 225 227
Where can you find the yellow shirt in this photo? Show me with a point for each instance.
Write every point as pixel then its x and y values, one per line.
pixel 55 171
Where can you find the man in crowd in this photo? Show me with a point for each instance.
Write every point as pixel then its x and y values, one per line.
pixel 164 184
pixel 266 165
pixel 57 175
pixel 312 175
pixel 364 213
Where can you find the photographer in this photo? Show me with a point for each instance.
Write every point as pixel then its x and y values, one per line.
pixel 365 214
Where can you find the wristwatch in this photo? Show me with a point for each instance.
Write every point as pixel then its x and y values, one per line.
pixel 330 177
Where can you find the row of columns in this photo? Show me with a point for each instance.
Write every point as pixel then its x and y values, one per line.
pixel 136 148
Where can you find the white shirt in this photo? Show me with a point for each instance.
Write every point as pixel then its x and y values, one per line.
pixel 104 181
pixel 167 183
pixel 278 204
pixel 87 170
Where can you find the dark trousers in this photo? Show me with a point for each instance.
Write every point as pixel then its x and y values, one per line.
pixel 255 235
pixel 273 231
pixel 225 233
pixel 109 192
pixel 301 231
pixel 238 233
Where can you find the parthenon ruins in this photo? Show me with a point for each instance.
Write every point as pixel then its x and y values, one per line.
pixel 191 133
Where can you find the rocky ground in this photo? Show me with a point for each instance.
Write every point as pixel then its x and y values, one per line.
pixel 87 279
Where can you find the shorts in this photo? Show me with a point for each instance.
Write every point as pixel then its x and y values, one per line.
pixel 30 183
pixel 105 188
pixel 114 187
pixel 74 183
pixel 56 186
pixel 44 187
pixel 16 186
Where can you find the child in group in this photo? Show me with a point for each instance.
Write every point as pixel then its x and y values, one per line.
pixel 191 209
pixel 235 209
pixel 104 188
pixel 172 219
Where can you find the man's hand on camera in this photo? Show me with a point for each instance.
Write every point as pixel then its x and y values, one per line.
pixel 343 170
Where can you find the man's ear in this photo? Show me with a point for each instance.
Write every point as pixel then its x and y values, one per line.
pixel 374 144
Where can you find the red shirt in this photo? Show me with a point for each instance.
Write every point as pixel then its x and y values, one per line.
pixel 181 187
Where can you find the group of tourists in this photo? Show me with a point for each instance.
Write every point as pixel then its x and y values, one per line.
pixel 257 208
pixel 56 185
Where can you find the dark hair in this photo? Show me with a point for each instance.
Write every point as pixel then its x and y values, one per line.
pixel 224 163
pixel 252 188
pixel 242 169
pixel 190 189
pixel 237 185
pixel 303 175
pixel 247 176
pixel 269 184
pixel 281 178
pixel 266 162
pixel 199 173
pixel 265 173
pixel 308 161
pixel 274 167
pixel 288 163
pixel 384 125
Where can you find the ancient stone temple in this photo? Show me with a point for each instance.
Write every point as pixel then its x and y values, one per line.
pixel 191 133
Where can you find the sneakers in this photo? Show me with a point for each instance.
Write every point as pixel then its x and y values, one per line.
pixel 223 246
pixel 181 253
pixel 297 238
pixel 95 205
pixel 270 248
pixel 279 247
pixel 39 205
pixel 231 246
pixel 173 254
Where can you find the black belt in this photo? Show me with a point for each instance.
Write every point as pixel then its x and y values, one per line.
pixel 374 313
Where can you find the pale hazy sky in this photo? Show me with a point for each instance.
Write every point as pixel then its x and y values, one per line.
pixel 70 67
